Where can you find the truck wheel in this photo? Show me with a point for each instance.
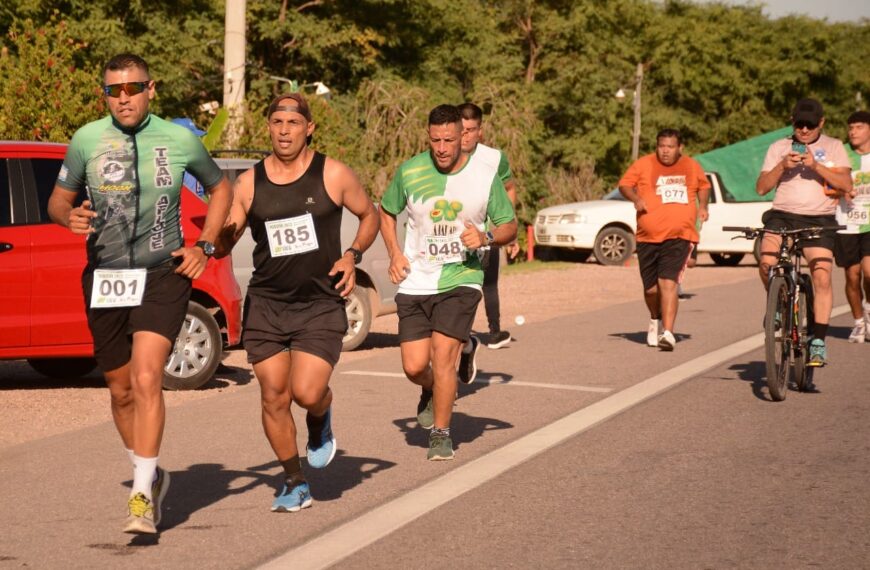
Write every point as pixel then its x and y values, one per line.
pixel 613 246
pixel 62 367
pixel 359 318
pixel 727 259
pixel 197 351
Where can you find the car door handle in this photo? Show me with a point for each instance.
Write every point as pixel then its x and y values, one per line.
pixel 4 247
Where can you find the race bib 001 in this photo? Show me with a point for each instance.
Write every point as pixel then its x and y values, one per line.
pixel 674 195
pixel 118 288
pixel 444 249
pixel 291 236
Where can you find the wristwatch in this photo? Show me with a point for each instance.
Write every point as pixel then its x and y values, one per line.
pixel 489 238
pixel 357 255
pixel 206 246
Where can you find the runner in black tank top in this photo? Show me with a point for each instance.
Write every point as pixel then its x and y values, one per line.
pixel 302 276
pixel 295 315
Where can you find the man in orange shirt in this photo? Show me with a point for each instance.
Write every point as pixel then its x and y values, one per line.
pixel 664 187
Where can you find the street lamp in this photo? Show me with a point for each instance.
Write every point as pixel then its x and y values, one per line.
pixel 635 103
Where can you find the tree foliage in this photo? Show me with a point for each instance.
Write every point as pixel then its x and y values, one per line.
pixel 545 72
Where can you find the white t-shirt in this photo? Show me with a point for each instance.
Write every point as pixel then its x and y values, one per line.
pixel 802 190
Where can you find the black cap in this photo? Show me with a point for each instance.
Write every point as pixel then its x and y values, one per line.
pixel 807 110
pixel 858 117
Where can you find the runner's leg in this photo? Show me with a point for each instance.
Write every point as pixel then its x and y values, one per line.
pixel 445 350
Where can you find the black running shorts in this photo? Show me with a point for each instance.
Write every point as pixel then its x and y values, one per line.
pixel 163 309
pixel 316 327
pixel 450 313
pixel 665 260
pixel 778 220
pixel 850 249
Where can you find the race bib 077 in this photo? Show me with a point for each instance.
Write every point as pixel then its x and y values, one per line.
pixel 118 288
pixel 291 236
pixel 674 195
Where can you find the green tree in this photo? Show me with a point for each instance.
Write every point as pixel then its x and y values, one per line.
pixel 44 96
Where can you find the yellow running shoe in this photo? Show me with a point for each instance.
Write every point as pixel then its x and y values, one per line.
pixel 140 515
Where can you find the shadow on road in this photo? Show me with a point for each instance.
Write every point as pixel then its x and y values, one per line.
pixel 379 340
pixel 756 373
pixel 204 484
pixel 344 473
pixel 640 336
pixel 463 429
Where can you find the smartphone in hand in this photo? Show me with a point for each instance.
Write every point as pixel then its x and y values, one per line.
pixel 798 147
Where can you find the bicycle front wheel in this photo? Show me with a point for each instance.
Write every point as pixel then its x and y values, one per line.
pixel 777 338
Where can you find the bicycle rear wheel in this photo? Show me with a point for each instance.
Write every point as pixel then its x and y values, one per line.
pixel 777 342
pixel 803 374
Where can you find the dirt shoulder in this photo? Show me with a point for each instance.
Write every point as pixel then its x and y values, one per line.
pixel 35 407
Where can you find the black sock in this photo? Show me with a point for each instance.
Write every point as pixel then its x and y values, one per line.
pixel 820 330
pixel 292 471
pixel 313 422
pixel 441 431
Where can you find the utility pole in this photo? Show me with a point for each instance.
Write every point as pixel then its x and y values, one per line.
pixel 234 68
pixel 635 138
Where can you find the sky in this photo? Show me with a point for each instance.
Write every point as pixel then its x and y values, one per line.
pixel 833 10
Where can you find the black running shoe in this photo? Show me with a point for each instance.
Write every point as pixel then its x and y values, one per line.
pixel 499 339
pixel 468 361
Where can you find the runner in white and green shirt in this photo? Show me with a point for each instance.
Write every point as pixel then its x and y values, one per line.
pixel 449 200
pixel 852 245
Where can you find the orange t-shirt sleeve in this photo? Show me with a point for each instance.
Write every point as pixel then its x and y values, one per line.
pixel 632 176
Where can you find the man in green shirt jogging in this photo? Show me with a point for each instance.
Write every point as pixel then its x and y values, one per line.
pixel 138 279
pixel 449 200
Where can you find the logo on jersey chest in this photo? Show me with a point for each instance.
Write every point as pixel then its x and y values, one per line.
pixel 158 231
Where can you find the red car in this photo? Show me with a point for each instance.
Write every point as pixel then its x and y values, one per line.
pixel 42 312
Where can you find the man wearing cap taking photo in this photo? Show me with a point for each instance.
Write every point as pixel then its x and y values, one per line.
pixel 810 172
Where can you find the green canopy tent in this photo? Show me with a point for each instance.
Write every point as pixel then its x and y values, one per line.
pixel 739 165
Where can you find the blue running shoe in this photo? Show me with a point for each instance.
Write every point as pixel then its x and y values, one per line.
pixel 292 500
pixel 818 353
pixel 321 443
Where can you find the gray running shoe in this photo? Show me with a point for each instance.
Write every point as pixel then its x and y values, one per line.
pixel 158 491
pixel 425 414
pixel 440 447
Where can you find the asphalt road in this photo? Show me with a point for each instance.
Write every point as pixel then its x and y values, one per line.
pixel 580 447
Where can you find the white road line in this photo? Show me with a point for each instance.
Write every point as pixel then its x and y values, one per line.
pixel 341 542
pixel 494 380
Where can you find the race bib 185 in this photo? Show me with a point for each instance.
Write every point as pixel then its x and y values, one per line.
pixel 291 236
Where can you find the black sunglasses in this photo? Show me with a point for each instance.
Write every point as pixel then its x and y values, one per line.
pixel 806 125
pixel 130 88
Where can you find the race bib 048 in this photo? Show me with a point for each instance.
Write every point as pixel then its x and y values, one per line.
pixel 444 249
pixel 291 236
pixel 118 288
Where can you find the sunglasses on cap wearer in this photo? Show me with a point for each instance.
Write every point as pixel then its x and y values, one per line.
pixel 806 125
pixel 130 88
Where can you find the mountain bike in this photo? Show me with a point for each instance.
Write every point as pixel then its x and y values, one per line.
pixel 789 317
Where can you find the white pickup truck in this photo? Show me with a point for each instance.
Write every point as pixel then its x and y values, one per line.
pixel 607 228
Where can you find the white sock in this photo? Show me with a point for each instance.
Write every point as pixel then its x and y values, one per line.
pixel 144 470
pixel 130 455
pixel 859 322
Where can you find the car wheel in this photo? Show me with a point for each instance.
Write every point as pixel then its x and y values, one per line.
pixel 197 351
pixel 613 246
pixel 62 367
pixel 727 259
pixel 359 318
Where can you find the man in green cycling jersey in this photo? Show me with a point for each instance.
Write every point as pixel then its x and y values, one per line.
pixel 131 165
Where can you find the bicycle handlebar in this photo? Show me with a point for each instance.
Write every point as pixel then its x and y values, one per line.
pixel 806 233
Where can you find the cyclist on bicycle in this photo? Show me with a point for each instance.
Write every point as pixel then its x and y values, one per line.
pixel 810 172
